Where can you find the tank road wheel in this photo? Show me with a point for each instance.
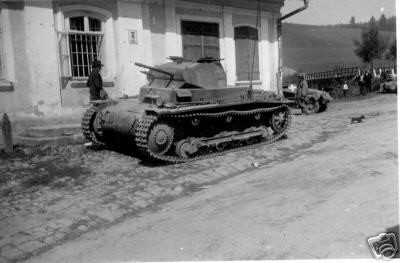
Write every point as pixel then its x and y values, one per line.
pixel 316 106
pixel 279 121
pixel 310 106
pixel 307 109
pixel 185 149
pixel 160 138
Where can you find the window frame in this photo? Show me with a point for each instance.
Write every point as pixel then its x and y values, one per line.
pixel 182 17
pixel 67 30
pixel 85 16
pixel 259 79
pixel 203 45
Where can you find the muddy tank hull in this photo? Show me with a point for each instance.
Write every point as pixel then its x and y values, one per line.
pixel 185 133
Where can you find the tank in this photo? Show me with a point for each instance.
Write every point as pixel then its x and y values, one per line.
pixel 187 112
pixel 314 102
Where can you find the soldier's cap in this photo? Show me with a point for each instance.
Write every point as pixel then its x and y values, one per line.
pixel 97 64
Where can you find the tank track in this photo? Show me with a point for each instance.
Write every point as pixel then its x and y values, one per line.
pixel 143 128
pixel 87 122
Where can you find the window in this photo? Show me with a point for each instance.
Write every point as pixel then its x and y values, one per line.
pixel 200 39
pixel 246 45
pixel 83 44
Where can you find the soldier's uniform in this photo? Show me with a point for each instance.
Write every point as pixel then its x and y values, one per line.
pixel 302 88
pixel 95 82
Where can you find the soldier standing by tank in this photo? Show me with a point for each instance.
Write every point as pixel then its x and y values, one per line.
pixel 302 87
pixel 95 82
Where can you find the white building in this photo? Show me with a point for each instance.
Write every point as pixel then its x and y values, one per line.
pixel 47 46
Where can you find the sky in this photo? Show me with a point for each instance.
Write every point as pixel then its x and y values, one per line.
pixel 326 12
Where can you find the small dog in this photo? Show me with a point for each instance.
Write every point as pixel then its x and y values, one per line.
pixel 357 119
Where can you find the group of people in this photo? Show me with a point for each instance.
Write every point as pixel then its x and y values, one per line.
pixel 364 79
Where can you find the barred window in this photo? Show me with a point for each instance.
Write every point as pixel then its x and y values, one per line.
pixel 80 45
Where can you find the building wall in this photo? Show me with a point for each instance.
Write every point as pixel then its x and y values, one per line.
pixel 31 64
pixel 35 67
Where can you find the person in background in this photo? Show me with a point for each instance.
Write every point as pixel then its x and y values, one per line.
pixel 345 89
pixel 302 87
pixel 361 84
pixel 95 82
pixel 393 73
pixel 368 81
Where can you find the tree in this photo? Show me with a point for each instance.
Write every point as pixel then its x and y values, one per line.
pixel 352 21
pixel 372 21
pixel 372 45
pixel 391 52
pixel 382 22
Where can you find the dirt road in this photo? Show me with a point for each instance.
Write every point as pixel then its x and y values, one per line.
pixel 318 194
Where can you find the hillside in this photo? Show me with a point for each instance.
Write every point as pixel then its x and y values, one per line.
pixel 319 48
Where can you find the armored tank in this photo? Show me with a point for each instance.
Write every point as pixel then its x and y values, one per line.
pixel 185 112
pixel 314 102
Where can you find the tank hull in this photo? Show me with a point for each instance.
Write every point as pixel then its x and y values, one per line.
pixel 185 133
pixel 187 112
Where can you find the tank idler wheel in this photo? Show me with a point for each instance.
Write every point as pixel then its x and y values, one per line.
pixel 185 149
pixel 278 121
pixel 161 138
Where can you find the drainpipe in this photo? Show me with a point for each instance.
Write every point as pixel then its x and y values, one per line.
pixel 279 77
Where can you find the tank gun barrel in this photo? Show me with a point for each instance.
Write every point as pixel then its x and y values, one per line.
pixel 155 69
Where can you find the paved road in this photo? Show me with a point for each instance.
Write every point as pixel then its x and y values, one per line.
pixel 318 194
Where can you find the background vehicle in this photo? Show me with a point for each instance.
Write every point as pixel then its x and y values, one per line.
pixel 314 102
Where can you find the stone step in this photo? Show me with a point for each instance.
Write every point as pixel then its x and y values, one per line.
pixel 52 130
pixel 54 140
